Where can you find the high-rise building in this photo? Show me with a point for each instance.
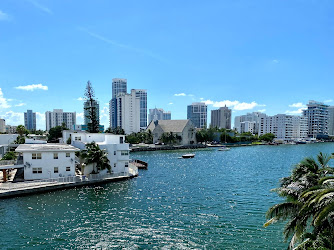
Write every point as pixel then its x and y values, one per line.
pixel 197 113
pixel 249 122
pixel 119 86
pixel 158 114
pixel 284 127
pixel 57 117
pixel 87 111
pixel 142 94
pixel 331 120
pixel 221 118
pixel 317 115
pixel 2 126
pixel 128 112
pixel 30 120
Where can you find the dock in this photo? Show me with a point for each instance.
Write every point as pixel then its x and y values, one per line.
pixel 15 189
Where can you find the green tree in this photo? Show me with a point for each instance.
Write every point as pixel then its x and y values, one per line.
pixel 21 130
pixel 115 131
pixel 96 156
pixel 269 137
pixel 309 205
pixel 55 133
pixel 9 156
pixel 93 125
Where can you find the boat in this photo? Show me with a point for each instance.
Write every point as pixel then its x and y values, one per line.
pixel 188 156
pixel 223 149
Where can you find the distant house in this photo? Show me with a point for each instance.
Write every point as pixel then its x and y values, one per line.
pixel 43 161
pixel 183 128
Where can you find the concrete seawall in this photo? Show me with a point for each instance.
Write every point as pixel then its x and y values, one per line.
pixel 58 186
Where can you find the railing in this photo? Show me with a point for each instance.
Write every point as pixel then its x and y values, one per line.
pixel 7 162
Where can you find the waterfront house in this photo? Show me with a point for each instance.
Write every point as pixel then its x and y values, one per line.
pixel 182 128
pixel 43 161
pixel 117 149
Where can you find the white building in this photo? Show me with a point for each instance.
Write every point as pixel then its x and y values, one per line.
pixel 43 161
pixel 331 120
pixel 221 118
pixel 159 114
pixel 2 126
pixel 142 94
pixel 284 127
pixel 252 119
pixel 117 149
pixel 128 112
pixel 11 129
pixel 5 141
pixel 119 85
pixel 317 115
pixel 197 113
pixel 58 117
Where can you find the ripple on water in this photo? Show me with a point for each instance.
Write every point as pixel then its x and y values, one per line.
pixel 216 200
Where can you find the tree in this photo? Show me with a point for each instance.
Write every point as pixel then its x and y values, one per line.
pixel 55 133
pixel 93 125
pixel 96 156
pixel 308 205
pixel 21 130
pixel 115 131
pixel 269 137
pixel 9 156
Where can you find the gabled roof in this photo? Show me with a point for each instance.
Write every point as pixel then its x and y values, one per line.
pixel 175 126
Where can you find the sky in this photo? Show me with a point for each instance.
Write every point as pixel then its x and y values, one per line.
pixel 260 55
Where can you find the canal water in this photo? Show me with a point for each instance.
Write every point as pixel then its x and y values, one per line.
pixel 216 200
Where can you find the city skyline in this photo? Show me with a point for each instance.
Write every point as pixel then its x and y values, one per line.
pixel 256 56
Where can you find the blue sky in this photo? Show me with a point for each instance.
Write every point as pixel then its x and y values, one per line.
pixel 266 55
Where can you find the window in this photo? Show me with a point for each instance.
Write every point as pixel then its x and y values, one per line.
pixel 114 152
pixel 77 138
pixel 114 165
pixel 126 164
pixel 55 155
pixel 121 140
pixel 55 170
pixel 36 156
pixel 36 170
pixel 124 152
pixel 68 168
pixel 68 154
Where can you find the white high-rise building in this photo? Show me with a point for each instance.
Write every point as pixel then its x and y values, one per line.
pixel 221 118
pixel 331 120
pixel 2 125
pixel 284 127
pixel 57 117
pixel 142 94
pixel 252 119
pixel 158 114
pixel 119 85
pixel 128 112
pixel 317 115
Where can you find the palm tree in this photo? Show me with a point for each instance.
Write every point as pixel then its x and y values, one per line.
pixel 96 156
pixel 309 201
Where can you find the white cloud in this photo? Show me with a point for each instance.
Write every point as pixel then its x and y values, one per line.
pixel 262 110
pixel 236 105
pixel 275 61
pixel 20 104
pixel 295 112
pixel 41 7
pixel 14 118
pixel 32 87
pixel 3 101
pixel 327 101
pixel 170 103
pixel 40 120
pixel 181 94
pixel 80 118
pixel 4 16
pixel 297 105
pixel 81 99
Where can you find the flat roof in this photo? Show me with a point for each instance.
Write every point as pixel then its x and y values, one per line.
pixel 45 147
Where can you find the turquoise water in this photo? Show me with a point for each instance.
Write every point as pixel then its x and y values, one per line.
pixel 216 200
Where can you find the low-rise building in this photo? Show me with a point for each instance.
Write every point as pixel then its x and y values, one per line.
pixel 117 149
pixel 183 128
pixel 11 129
pixel 2 126
pixel 43 161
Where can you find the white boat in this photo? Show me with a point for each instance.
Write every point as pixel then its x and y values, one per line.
pixel 188 156
pixel 223 149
